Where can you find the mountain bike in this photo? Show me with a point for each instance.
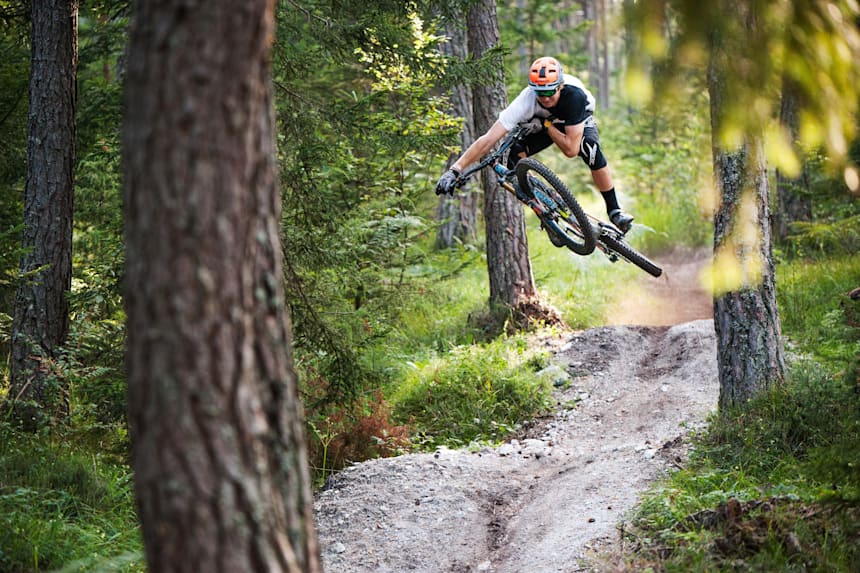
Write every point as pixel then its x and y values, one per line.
pixel 561 216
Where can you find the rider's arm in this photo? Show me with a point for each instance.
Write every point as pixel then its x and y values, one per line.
pixel 480 147
pixel 569 140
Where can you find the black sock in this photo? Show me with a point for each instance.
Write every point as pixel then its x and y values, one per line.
pixel 611 200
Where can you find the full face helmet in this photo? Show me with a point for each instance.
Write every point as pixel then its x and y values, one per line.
pixel 546 76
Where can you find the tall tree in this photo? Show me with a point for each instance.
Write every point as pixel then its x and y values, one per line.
pixel 458 216
pixel 41 316
pixel 746 318
pixel 597 44
pixel 794 201
pixel 218 445
pixel 511 282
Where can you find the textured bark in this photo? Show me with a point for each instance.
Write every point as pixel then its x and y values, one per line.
pixel 511 282
pixel 458 216
pixel 794 198
pixel 41 317
pixel 749 346
pixel 218 446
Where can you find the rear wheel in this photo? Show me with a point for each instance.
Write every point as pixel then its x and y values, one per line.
pixel 572 225
pixel 623 249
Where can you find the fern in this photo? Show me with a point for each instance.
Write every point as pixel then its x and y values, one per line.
pixel 840 236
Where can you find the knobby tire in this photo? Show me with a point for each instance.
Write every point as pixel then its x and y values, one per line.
pixel 588 243
pixel 622 248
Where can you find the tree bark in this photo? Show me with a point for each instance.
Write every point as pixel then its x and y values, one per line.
pixel 458 215
pixel 510 273
pixel 41 317
pixel 218 445
pixel 749 345
pixel 591 14
pixel 794 201
pixel 603 95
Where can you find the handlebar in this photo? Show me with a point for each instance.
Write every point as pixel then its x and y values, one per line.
pixel 514 135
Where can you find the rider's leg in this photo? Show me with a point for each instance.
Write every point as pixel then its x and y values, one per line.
pixel 592 154
pixel 530 145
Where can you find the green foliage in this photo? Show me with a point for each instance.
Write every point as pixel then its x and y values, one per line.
pixel 476 393
pixel 92 359
pixel 14 83
pixel 758 45
pixel 354 162
pixel 540 28
pixel 841 236
pixel 62 506
pixel 835 224
pixel 814 308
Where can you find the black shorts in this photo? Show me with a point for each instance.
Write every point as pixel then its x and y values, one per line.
pixel 589 151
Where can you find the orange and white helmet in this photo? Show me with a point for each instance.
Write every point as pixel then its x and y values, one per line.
pixel 546 74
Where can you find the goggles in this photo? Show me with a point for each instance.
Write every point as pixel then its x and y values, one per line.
pixel 546 93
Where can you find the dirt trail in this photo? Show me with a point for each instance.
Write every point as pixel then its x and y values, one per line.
pixel 674 298
pixel 547 502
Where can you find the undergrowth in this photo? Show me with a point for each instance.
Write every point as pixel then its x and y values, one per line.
pixel 64 508
pixel 473 394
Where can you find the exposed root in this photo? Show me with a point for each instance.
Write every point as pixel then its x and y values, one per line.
pixel 528 315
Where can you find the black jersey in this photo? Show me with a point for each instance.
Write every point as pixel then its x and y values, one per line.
pixel 572 106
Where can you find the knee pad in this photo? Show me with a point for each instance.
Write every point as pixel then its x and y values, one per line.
pixel 590 150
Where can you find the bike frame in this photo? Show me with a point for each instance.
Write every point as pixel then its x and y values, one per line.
pixel 506 176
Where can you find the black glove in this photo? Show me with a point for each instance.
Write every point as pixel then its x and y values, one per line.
pixel 447 183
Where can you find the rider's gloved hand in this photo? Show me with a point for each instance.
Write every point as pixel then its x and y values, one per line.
pixel 448 182
pixel 534 125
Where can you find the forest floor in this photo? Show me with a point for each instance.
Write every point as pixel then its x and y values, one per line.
pixel 555 499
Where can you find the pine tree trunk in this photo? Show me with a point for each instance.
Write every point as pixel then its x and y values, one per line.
pixel 41 317
pixel 219 453
pixel 458 215
pixel 794 201
pixel 746 318
pixel 510 273
pixel 591 44
pixel 603 96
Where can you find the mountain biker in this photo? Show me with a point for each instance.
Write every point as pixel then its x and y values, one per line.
pixel 559 109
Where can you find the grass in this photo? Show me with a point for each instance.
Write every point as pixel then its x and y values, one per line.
pixel 474 394
pixel 63 508
pixel 814 309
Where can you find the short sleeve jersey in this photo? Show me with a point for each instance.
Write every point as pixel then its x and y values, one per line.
pixel 574 106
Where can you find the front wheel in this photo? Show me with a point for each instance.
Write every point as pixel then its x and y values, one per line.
pixel 623 249
pixel 568 222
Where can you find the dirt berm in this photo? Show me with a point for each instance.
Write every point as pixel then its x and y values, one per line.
pixel 550 501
